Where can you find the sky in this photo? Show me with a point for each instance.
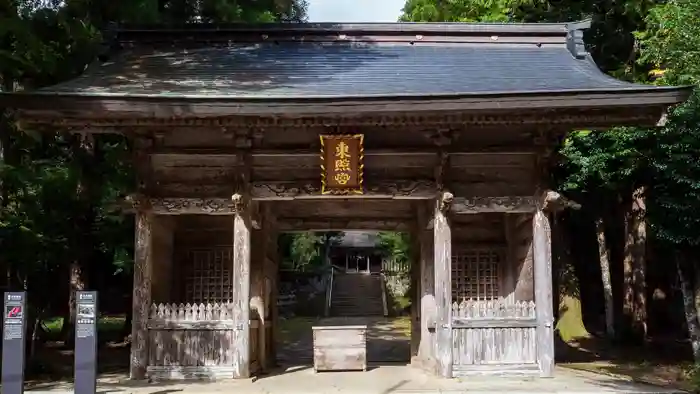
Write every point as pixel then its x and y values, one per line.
pixel 355 10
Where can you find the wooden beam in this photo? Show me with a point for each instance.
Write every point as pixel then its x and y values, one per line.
pixel 240 348
pixel 542 255
pixel 336 224
pixel 443 285
pixel 268 156
pixel 311 189
pixel 512 204
pixel 407 190
pixel 141 296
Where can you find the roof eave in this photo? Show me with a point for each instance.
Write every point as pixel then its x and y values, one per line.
pixel 88 106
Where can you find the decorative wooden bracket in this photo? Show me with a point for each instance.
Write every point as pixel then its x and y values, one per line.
pixel 238 203
pixel 551 201
pixel 445 201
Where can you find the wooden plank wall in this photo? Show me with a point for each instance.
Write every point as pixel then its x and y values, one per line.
pixel 162 255
pixel 190 350
pixel 491 334
pixel 194 341
pixel 495 331
pixel 520 249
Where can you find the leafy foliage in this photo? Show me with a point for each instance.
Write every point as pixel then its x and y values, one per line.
pixel 395 246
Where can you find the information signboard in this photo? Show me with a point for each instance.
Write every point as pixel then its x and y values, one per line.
pixel 13 332
pixel 86 343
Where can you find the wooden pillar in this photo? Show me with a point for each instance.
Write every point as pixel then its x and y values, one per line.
pixel 241 287
pixel 542 255
pixel 257 294
pixel 415 292
pixel 274 294
pixel 443 285
pixel 426 347
pixel 141 295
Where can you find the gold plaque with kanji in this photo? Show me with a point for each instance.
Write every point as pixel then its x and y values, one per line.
pixel 342 164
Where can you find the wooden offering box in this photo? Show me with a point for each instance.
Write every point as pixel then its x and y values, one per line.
pixel 340 348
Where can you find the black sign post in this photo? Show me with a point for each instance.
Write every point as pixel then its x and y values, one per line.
pixel 86 343
pixel 13 343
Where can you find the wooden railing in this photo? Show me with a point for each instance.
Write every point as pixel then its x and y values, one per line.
pixel 393 267
pixel 329 292
pixel 385 303
pixel 194 341
pixel 493 334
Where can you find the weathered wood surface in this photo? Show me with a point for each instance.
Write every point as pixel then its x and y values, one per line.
pixel 428 309
pixel 512 204
pixel 141 296
pixel 442 236
pixel 343 224
pixel 338 348
pixel 494 332
pixel 473 113
pixel 162 250
pixel 195 341
pixel 521 248
pixel 542 256
pixel 241 287
pixel 415 286
pixel 223 206
pixel 258 305
pixel 186 313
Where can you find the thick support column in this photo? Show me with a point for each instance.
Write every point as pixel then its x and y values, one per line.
pixel 261 285
pixel 241 287
pixel 425 245
pixel 257 295
pixel 542 255
pixel 443 286
pixel 141 302
pixel 415 292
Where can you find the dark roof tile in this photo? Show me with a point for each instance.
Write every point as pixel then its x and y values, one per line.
pixel 342 69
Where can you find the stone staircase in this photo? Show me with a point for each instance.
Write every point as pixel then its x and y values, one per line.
pixel 357 295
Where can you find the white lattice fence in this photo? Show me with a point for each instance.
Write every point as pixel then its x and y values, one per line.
pixel 494 332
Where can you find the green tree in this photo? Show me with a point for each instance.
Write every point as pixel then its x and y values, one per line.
pixel 672 44
pixel 58 191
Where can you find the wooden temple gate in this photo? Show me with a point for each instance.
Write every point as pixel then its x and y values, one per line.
pixel 441 130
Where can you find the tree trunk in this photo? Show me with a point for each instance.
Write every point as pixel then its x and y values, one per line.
pixel 84 154
pixel 634 266
pixel 691 296
pixel 76 283
pixel 5 158
pixel 566 286
pixel 604 257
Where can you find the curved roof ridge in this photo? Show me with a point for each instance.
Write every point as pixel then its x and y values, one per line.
pixel 448 28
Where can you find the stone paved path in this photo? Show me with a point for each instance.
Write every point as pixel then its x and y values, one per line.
pixel 386 341
pixel 381 380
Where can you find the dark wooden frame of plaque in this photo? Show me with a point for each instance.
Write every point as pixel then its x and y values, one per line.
pixel 360 164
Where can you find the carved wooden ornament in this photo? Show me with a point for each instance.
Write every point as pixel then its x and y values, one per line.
pixel 342 164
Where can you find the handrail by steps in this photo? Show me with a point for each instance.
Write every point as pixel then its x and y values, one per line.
pixel 329 293
pixel 385 307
